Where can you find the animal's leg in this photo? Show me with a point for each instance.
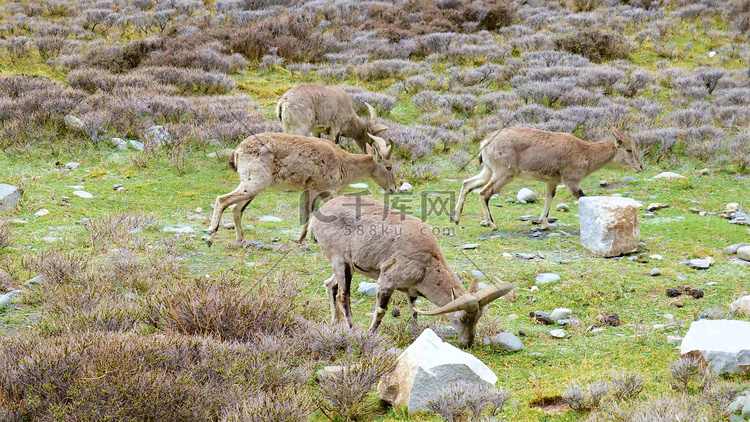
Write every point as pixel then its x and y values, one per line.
pixel 343 272
pixel 574 188
pixel 551 189
pixel 384 295
pixel 307 202
pixel 332 289
pixel 471 183
pixel 496 183
pixel 413 312
pixel 244 192
pixel 239 208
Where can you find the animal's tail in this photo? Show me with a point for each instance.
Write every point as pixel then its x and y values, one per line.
pixel 279 109
pixel 482 145
pixel 233 160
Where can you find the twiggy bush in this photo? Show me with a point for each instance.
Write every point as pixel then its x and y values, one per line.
pixel 595 44
pixel 284 405
pixel 461 401
pixel 4 235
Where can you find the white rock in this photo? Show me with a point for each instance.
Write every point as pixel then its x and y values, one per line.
pixel 222 153
pixel 546 278
pixel 711 53
pixel 561 313
pixel 9 196
pixel 178 229
pixel 526 195
pixel 270 219
pixel 72 165
pixel 358 185
pixel 609 226
pixel 562 207
pixel 426 367
pixel 83 194
pixel 724 344
pixel 470 246
pixel 368 289
pixel 668 175
pixel 41 212
pixel 558 333
pixel 136 145
pixel 732 249
pixel 74 124
pixel 119 143
pixel 507 341
pixel 406 187
pixel 741 305
pixel 159 135
pixel 744 253
pixel 656 257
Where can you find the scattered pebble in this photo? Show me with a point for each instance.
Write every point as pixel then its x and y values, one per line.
pixel 65 199
pixel 546 278
pixel 83 194
pixel 34 281
pixel 668 175
pixel 562 207
pixel 477 273
pixel 117 186
pixel 507 341
pixel 649 215
pixel 732 249
pixel 561 313
pixel 470 246
pixel 524 255
pixel 136 145
pixel 406 187
pixel 694 210
pixel 270 218
pixel 681 277
pixel 72 165
pixel 526 195
pixel 541 317
pixel 655 272
pixel 698 263
pixel 178 229
pixel 41 212
pixel 629 179
pixel 603 183
pixel 368 289
pixel 558 333
pixel 657 205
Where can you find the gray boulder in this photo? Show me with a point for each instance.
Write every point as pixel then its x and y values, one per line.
pixel 9 196
pixel 744 253
pixel 526 195
pixel 159 135
pixel 609 226
pixel 8 297
pixel 732 249
pixel 74 124
pixel 427 366
pixel 507 341
pixel 546 278
pixel 723 344
pixel 368 289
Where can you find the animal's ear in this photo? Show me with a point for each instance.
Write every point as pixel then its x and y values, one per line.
pixel 474 287
pixel 368 149
pixel 377 128
pixel 373 115
pixel 618 137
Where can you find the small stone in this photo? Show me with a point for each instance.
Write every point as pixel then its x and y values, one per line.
pixel 733 206
pixel 603 183
pixel 562 207
pixel 470 246
pixel 507 341
pixel 629 179
pixel 222 153
pixel 561 313
pixel 546 278
pixel 368 289
pixel 65 199
pixel 228 226
pixel 698 263
pixel 703 172
pixel 178 229
pixel 477 273
pixel 741 305
pixel 270 219
pixel 41 212
pixel 558 333
pixel 656 257
pixel 9 196
pixel 158 135
pixel 568 321
pixel 136 145
pixel 198 210
pixel 119 143
pixel 83 194
pixel 668 175
pixel 674 292
pixel 609 318
pixel 405 187
pixel 34 281
pixel 524 255
pixel 328 371
pixel 674 339
pixel 744 253
pixel 358 185
pixel 655 272
pixel 542 317
pixel 135 230
pixel 596 330
pixel 117 186
pixel 526 195
pixel 737 405
pixel 649 215
pixel 121 189
pixel 657 205
pixel 72 165
pixel 694 210
pixel 74 124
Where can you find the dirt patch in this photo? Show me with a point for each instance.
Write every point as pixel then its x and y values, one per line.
pixel 554 404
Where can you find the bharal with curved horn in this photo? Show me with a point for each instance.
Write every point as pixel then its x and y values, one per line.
pixel 360 234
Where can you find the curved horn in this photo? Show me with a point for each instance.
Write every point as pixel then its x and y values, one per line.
pixel 490 293
pixel 466 302
pixel 383 147
pixel 373 114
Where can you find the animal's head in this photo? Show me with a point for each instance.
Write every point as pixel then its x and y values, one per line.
pixel 371 127
pixel 381 155
pixel 627 154
pixel 464 311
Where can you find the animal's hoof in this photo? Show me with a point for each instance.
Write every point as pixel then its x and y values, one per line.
pixel 209 243
pixel 484 223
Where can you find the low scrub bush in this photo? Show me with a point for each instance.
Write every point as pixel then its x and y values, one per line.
pixel 595 44
pixel 461 401
pixel 292 36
